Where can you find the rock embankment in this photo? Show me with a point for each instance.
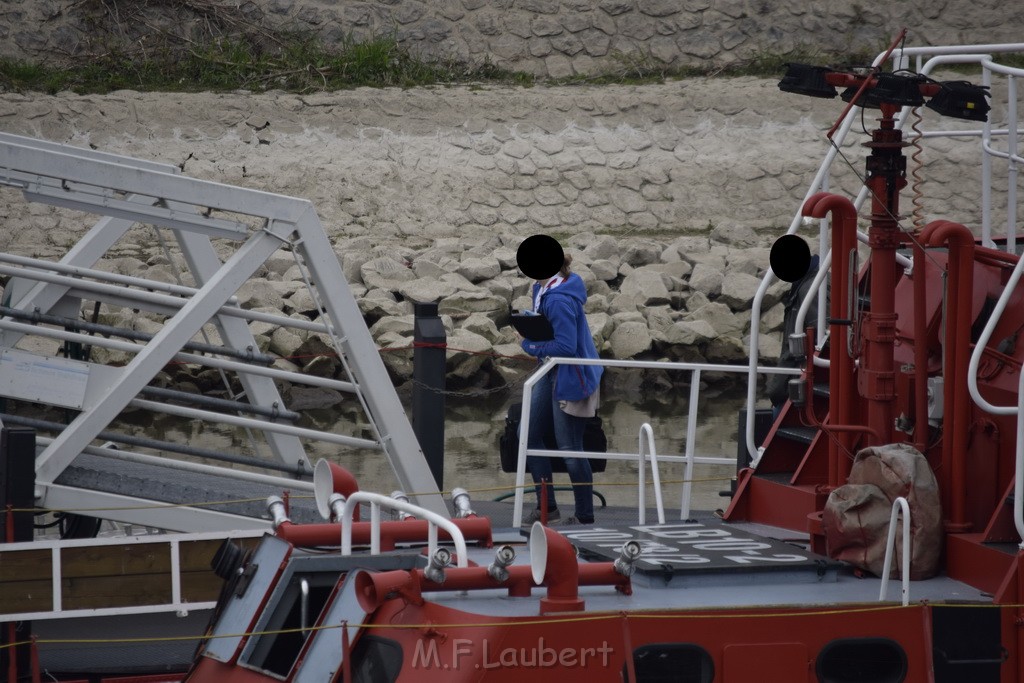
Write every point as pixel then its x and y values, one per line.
pixel 687 298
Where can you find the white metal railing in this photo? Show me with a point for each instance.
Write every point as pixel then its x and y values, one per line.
pixel 1018 410
pixel 646 451
pixel 899 505
pixel 927 59
pixel 1011 285
pixel 689 457
pixel 376 501
pixel 57 611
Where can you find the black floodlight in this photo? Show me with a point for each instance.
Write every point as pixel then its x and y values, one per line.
pixel 804 79
pixel 901 90
pixel 961 100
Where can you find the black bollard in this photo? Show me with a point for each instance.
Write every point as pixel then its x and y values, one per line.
pixel 17 492
pixel 17 481
pixel 428 360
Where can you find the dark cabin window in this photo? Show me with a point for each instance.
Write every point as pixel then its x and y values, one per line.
pixel 671 663
pixel 376 660
pixel 275 653
pixel 862 660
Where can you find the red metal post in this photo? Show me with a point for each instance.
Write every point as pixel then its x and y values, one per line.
pixel 956 352
pixel 12 653
pixel 920 352
pixel 886 176
pixel 346 654
pixel 34 658
pixel 844 241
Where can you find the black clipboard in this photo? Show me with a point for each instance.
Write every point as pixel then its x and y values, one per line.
pixel 533 326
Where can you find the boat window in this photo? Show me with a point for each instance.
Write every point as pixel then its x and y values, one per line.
pixel 376 660
pixel 276 650
pixel 671 663
pixel 862 660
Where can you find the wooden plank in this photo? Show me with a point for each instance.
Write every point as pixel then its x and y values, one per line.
pixel 26 596
pixel 24 565
pixel 121 575
pixel 116 591
pixel 200 586
pixel 116 560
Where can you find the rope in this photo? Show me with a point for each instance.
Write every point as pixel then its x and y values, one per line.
pixel 751 612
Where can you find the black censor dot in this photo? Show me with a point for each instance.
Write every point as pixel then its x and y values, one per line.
pixel 790 258
pixel 540 257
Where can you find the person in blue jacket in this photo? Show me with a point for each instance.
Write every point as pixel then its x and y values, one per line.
pixel 565 397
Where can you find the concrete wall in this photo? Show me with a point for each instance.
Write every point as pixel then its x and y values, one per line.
pixel 556 38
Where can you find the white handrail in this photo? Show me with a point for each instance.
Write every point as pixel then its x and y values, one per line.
pixel 898 505
pixel 1018 478
pixel 642 453
pixel 982 344
pixel 376 501
pixel 691 443
pixel 547 365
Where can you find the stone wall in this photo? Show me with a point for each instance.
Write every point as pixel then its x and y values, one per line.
pixel 556 38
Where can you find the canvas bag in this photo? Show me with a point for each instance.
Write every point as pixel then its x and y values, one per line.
pixel 856 516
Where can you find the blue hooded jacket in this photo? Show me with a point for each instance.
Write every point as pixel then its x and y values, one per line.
pixel 563 307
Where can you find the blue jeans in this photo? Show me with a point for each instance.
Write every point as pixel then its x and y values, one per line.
pixel 546 416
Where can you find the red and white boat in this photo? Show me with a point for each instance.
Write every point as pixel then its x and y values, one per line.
pixel 902 446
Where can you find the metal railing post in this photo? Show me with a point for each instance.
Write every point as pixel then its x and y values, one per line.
pixel 642 453
pixel 898 505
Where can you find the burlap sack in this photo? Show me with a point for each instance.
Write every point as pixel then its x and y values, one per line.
pixel 856 516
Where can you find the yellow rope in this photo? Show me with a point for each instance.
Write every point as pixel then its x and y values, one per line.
pixel 741 613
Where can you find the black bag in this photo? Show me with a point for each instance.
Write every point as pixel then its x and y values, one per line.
pixel 594 441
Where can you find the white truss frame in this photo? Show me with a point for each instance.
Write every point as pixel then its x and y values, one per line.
pixel 127 191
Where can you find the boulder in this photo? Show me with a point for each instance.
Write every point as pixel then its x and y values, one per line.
pixel 467 352
pixel 462 303
pixel 352 263
pixel 386 273
pixel 479 269
pixel 480 324
pixel 317 356
pixel 376 308
pixel 630 339
pixel 426 289
pixel 306 398
pixel 301 301
pixel 425 269
pixel 725 349
pixel 601 326
pixel 706 279
pixel 690 332
pixel 397 360
pixel 602 248
pixel 259 294
pixel 642 252
pixel 738 290
pixel 605 269
pixel 735 235
pixel 720 317
pixel 646 287
pixel 400 324
pixel 284 342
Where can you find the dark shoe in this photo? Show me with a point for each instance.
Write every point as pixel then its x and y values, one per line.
pixel 553 516
pixel 573 520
